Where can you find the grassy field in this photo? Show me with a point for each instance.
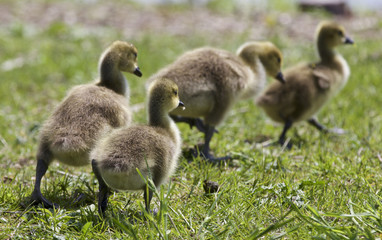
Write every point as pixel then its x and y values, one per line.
pixel 325 187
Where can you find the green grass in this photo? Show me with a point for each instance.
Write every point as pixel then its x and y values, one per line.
pixel 326 187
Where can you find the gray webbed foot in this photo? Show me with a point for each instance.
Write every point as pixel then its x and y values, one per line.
pixel 322 128
pixel 38 198
pixel 209 157
pixel 288 145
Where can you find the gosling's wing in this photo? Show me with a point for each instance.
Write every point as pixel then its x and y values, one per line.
pixel 323 76
pixel 285 94
pixel 236 76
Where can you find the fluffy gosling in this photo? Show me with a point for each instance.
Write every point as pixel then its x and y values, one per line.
pixel 309 86
pixel 153 149
pixel 211 80
pixel 86 113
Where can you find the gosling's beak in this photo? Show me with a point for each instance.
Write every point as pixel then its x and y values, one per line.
pixel 181 104
pixel 348 40
pixel 280 77
pixel 137 72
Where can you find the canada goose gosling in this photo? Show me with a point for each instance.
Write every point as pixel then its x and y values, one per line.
pixel 86 113
pixel 211 80
pixel 309 86
pixel 153 149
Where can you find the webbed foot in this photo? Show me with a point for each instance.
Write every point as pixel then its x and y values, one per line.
pixel 209 157
pixel 287 144
pixel 38 198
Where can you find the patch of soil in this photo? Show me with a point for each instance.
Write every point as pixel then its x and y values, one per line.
pixel 132 19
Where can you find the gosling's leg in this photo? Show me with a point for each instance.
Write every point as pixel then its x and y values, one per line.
pixel 197 122
pixel 104 190
pixel 288 124
pixel 317 125
pixel 206 148
pixel 322 128
pixel 41 168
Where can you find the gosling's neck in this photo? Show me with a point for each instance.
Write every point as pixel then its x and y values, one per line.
pixel 110 75
pixel 158 117
pixel 256 78
pixel 326 53
pixel 252 61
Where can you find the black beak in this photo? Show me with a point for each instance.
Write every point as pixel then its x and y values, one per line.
pixel 348 40
pixel 280 77
pixel 181 104
pixel 138 72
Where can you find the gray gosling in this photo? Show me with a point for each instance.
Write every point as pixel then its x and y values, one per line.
pixel 153 149
pixel 309 85
pixel 211 80
pixel 86 113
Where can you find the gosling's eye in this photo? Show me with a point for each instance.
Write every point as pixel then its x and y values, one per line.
pixel 135 55
pixel 175 92
pixel 279 60
pixel 340 33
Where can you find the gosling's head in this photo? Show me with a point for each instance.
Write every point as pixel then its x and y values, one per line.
pixel 126 55
pixel 269 55
pixel 163 93
pixel 332 34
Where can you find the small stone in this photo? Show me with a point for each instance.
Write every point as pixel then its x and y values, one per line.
pixel 210 186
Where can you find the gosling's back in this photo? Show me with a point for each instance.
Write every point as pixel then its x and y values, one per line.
pixel 209 80
pixel 85 114
pixel 308 87
pixel 153 149
pixel 150 149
